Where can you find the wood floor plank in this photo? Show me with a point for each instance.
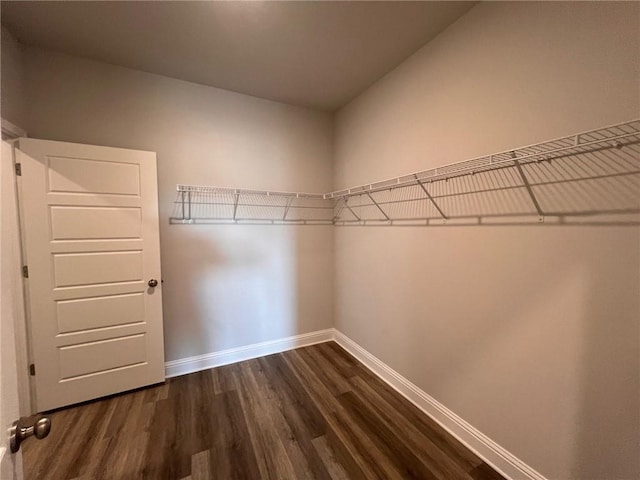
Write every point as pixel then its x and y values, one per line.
pixel 439 461
pixel 163 433
pixel 182 398
pixel 91 426
pixel 325 371
pixel 269 449
pixel 485 472
pixel 429 427
pixel 346 433
pixel 293 417
pixel 156 392
pixel 274 407
pixel 201 466
pixel 288 387
pixel 225 377
pixel 385 439
pixel 346 366
pixel 232 453
pixel 312 413
pixel 127 458
pixel 214 373
pixel 333 465
pixel 352 464
pixel 101 460
pixel 119 414
pixel 201 391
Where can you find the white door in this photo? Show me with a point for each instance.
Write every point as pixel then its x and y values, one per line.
pixel 90 225
pixel 10 464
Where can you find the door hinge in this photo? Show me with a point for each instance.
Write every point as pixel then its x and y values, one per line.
pixel 18 169
pixel 32 369
pixel 25 271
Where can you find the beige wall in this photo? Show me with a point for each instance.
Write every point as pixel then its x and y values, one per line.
pixel 11 85
pixel 225 286
pixel 531 334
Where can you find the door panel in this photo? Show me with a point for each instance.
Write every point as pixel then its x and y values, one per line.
pixel 93 335
pixel 77 269
pixel 92 176
pixel 90 218
pixel 99 312
pixel 88 223
pixel 101 356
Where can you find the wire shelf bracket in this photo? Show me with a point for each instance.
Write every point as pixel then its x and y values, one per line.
pixel 426 192
pixel 527 185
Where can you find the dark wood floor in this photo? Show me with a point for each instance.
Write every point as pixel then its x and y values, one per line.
pixel 311 413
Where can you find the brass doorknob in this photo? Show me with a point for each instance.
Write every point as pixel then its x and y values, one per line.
pixel 19 432
pixel 152 283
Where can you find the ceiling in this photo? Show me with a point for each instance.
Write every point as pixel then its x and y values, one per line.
pixel 313 54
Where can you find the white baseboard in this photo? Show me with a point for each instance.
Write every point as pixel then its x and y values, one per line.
pixel 503 461
pixel 183 366
pixel 500 459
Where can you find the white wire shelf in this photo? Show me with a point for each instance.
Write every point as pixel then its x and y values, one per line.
pixel 198 204
pixel 594 173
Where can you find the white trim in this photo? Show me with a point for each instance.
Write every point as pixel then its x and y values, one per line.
pixel 493 454
pixel 500 459
pixel 12 130
pixel 183 366
pixel 26 388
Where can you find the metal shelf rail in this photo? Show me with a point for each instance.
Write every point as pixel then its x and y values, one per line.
pixel 592 176
pixel 197 204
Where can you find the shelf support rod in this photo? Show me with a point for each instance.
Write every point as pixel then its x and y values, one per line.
pixel 189 200
pixel 337 215
pixel 235 204
pixel 379 207
pixel 182 197
pixel 346 199
pixel 527 185
pixel 426 192
pixel 286 208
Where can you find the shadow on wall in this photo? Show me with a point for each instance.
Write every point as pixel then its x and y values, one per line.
pixel 235 285
pixel 598 186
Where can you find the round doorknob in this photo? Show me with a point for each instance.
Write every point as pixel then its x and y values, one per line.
pixel 21 430
pixel 152 283
pixel 42 428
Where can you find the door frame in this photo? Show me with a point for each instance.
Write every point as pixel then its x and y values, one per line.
pixel 10 134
